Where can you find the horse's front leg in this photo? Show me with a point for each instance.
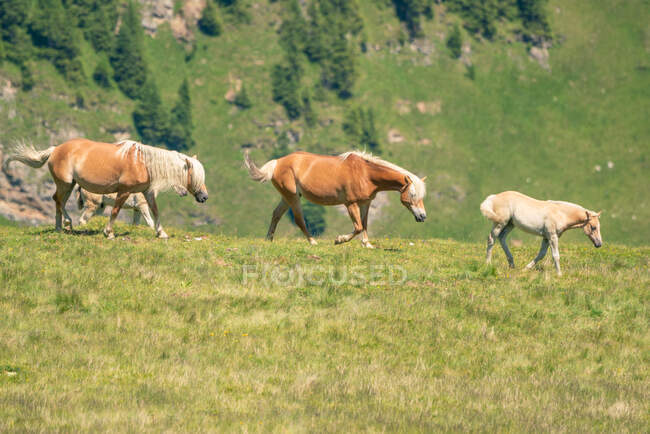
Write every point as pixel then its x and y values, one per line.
pixel 540 255
pixel 119 201
pixel 365 207
pixel 151 200
pixel 502 239
pixel 555 251
pixel 355 215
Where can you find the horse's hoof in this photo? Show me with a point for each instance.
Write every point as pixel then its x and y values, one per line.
pixel 162 235
pixel 367 245
pixel 110 235
pixel 312 242
pixel 338 240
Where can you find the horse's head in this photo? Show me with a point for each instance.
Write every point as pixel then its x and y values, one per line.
pixel 592 228
pixel 196 179
pixel 412 195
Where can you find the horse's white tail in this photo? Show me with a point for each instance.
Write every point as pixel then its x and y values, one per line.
pixel 29 155
pixel 487 210
pixel 263 174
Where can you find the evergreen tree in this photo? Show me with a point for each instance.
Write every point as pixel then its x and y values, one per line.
pixel 18 47
pixel 27 80
pixel 180 132
pixel 209 23
pixel 51 32
pixel 455 43
pixel 241 99
pixel 236 9
pixel 285 84
pixel 102 73
pixel 128 56
pixel 12 13
pixel 314 216
pixel 410 11
pixel 149 117
pixel 359 126
pixel 534 18
pixel 307 110
pixel 314 44
pixel 97 19
pixel 339 68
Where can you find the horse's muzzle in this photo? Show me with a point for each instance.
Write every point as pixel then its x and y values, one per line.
pixel 420 216
pixel 200 196
pixel 598 244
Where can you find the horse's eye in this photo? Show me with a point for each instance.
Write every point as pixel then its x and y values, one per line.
pixel 593 228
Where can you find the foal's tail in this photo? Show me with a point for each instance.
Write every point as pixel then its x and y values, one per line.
pixel 262 174
pixel 487 209
pixel 80 197
pixel 29 155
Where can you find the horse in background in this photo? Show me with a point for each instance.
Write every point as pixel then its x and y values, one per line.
pixel 124 168
pixel 548 219
pixel 92 204
pixel 352 179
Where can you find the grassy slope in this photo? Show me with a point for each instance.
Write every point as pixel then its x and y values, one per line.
pixel 516 126
pixel 142 334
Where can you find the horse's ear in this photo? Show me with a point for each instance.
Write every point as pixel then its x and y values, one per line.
pixel 423 178
pixel 194 156
pixel 598 214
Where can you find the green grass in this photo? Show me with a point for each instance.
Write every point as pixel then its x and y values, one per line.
pixel 143 334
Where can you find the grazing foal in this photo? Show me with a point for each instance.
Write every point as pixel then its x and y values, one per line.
pixel 548 219
pixel 352 179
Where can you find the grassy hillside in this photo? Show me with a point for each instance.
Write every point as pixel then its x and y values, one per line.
pixel 141 334
pixel 515 126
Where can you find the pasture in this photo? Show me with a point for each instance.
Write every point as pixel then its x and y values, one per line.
pixel 237 334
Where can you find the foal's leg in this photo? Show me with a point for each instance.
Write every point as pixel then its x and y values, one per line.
pixel 502 239
pixel 151 200
pixel 143 209
pixel 90 208
pixel 365 207
pixel 355 215
pixel 119 201
pixel 278 212
pixel 294 203
pixel 540 255
pixel 555 251
pixel 494 233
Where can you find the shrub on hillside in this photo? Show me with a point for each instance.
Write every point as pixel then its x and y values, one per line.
pixel 209 23
pixel 285 85
pixel 102 73
pixel 410 13
pixel 359 126
pixel 455 42
pixel 241 99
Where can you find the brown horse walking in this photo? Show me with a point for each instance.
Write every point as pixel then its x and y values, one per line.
pixel 352 179
pixel 123 168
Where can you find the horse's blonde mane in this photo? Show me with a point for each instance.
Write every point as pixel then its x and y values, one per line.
pixel 418 188
pixel 167 169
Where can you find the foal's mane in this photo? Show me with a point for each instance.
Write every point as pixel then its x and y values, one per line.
pixel 166 168
pixel 418 188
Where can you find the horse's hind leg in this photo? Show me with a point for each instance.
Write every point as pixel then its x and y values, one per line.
pixel 502 239
pixel 60 197
pixel 494 233
pixel 90 208
pixel 355 215
pixel 365 207
pixel 294 203
pixel 278 212
pixel 119 201
pixel 540 255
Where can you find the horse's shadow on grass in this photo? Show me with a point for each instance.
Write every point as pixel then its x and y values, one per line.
pixel 82 232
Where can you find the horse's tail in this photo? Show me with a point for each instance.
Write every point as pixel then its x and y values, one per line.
pixel 80 197
pixel 263 174
pixel 29 155
pixel 487 209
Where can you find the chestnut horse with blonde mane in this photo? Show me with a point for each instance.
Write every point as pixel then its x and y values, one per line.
pixel 352 179
pixel 547 218
pixel 124 168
